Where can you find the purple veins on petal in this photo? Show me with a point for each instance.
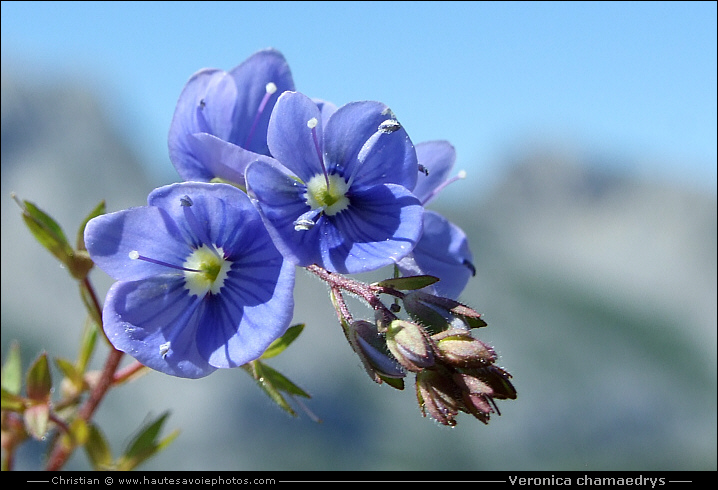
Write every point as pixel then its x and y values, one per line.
pixel 337 193
pixel 202 286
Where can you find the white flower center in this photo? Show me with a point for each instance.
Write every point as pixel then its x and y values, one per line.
pixel 327 193
pixel 208 270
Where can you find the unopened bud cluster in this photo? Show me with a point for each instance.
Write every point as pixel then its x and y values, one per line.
pixel 454 371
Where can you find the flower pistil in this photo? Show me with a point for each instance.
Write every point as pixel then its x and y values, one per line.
pixel 326 193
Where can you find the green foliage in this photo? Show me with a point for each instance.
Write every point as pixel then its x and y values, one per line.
pixel 283 342
pixel 145 444
pixel 12 371
pixel 407 283
pixel 50 235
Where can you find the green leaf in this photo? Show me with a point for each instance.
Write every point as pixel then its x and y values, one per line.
pixel 79 432
pixel 145 438
pixel 89 301
pixel 87 343
pixel 97 449
pixel 283 342
pixel 71 372
pixel 397 383
pixel 12 370
pixel 97 211
pixel 407 283
pixel 46 231
pixel 256 370
pixel 12 401
pixel 39 380
pixel 144 444
pixel 280 382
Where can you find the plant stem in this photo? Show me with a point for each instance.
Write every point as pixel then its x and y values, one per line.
pixel 62 452
pixel 367 292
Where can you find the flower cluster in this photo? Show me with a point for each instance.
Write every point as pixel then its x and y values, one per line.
pixel 276 180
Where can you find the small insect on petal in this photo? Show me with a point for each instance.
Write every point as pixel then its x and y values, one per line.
pixel 389 126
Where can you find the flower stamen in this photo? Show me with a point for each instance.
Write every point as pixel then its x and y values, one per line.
pixel 270 89
pixel 440 187
pixel 135 255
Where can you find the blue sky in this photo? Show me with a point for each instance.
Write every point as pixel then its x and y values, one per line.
pixel 633 82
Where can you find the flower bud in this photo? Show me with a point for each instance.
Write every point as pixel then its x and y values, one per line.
pixel 476 395
pixel 410 345
pixel 373 351
pixel 441 313
pixel 438 396
pixel 458 348
pixel 498 379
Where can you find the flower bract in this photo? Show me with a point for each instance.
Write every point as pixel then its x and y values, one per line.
pixel 220 122
pixel 338 192
pixel 200 285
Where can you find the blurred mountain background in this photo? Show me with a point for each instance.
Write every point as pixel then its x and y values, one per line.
pixel 599 287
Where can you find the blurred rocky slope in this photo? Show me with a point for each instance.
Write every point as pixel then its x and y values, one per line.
pixel 599 289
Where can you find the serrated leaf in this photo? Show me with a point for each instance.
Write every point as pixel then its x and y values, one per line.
pixel 97 449
pixel 12 401
pixel 36 419
pixel 407 283
pixel 12 370
pixel 98 210
pixel 39 380
pixel 283 342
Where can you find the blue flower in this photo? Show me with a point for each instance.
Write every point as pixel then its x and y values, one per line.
pixel 338 194
pixel 443 250
pixel 200 284
pixel 220 122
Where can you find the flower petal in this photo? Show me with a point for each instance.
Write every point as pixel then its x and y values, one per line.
pixel 290 140
pixel 251 79
pixel 155 321
pixel 149 231
pixel 388 157
pixel 443 252
pixel 220 158
pixel 280 202
pixel 253 309
pixel 438 158
pixel 382 225
pixel 204 106
pixel 221 212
